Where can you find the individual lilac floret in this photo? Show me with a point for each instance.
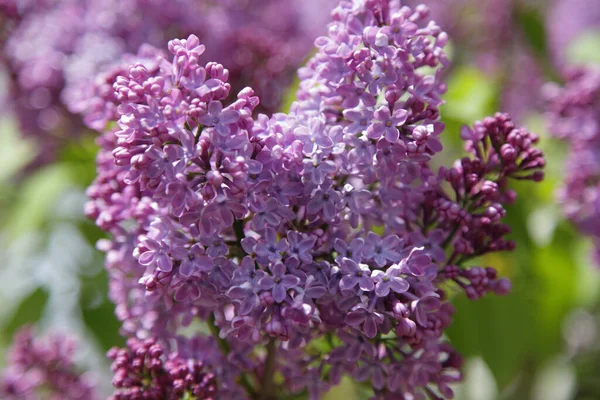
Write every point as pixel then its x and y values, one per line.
pixel 382 251
pixel 389 280
pixel 386 124
pixel 300 246
pixel 271 249
pixel 218 118
pixel 279 282
pixel 356 274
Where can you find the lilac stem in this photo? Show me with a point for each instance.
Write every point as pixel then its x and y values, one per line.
pixel 267 383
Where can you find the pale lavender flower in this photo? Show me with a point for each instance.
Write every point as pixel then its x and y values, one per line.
pixel 381 250
pixel 355 274
pixel 360 119
pixel 279 283
pixel 271 248
pixel 389 280
pixel 386 124
pixel 218 118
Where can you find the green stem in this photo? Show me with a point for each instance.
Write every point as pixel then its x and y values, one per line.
pixel 298 396
pixel 238 229
pixel 523 388
pixel 226 348
pixel 245 382
pixel 214 329
pixel 267 383
pixel 450 236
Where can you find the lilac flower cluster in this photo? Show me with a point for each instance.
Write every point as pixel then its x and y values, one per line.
pixel 487 34
pixel 65 70
pixel 312 244
pixel 484 28
pixel 573 116
pixel 140 372
pixel 490 34
pixel 43 369
pixel 566 20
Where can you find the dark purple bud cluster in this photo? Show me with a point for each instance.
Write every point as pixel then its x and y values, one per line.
pixel 143 371
pixel 43 368
pixel 499 152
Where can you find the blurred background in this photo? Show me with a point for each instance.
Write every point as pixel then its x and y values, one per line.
pixel 542 341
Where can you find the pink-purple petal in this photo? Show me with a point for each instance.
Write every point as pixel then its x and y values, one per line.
pixel 279 293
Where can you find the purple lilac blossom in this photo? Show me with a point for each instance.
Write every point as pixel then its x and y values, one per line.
pixel 144 371
pixel 70 68
pixel 573 117
pixel 566 20
pixel 279 230
pixel 43 368
pixel 488 35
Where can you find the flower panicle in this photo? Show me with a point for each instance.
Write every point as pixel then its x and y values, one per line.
pixel 323 228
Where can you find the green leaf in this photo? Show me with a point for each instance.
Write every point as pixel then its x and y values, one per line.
pixel 555 290
pixel 531 23
pixel 522 329
pixel 15 151
pixel 29 311
pixel 471 95
pixel 495 329
pixel 80 157
pixel 588 278
pixel 346 390
pixel 585 49
pixel 98 312
pixel 101 321
pixel 37 197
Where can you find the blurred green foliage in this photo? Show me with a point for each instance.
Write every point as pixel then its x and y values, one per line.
pixel 28 312
pixel 29 206
pixel 585 49
pixel 551 272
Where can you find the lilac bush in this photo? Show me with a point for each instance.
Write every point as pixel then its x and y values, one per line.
pixel 573 116
pixel 283 252
pixel 64 71
pixel 43 369
pixel 489 35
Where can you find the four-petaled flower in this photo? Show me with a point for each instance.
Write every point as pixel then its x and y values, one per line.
pixel 218 118
pixel 389 280
pixel 300 246
pixel 314 136
pixel 360 118
pixel 386 124
pixel 192 260
pixel 325 200
pixel 352 251
pixel 270 248
pixel 356 274
pixel 156 254
pixel 279 282
pixel 368 318
pixel 380 250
